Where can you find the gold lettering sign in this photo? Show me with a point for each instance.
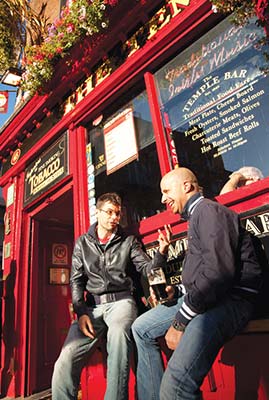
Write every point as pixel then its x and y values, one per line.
pixel 176 6
pixel 48 169
pixel 104 69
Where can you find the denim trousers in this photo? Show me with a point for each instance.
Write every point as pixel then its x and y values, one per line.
pixel 113 319
pixel 192 359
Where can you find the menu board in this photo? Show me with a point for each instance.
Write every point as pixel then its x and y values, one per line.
pixel 227 121
pixel 215 95
pixel 120 141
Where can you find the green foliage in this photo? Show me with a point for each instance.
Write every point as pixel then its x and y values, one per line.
pixel 83 18
pixel 243 10
pixel 25 31
pixel 22 29
pixel 10 37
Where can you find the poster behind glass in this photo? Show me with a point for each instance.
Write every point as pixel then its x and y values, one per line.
pixel 214 96
pixel 127 161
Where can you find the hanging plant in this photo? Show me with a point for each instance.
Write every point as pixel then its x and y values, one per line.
pixel 83 18
pixel 244 10
pixel 20 24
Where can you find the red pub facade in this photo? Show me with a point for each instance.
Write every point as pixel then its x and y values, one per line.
pixel 169 83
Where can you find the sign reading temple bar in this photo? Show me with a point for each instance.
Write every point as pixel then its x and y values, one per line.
pixel 48 169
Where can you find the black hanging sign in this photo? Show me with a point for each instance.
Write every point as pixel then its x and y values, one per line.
pixel 47 170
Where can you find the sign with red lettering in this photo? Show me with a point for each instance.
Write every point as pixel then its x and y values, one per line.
pixel 59 254
pixel 15 156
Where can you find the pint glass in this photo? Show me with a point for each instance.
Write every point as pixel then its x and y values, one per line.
pixel 157 281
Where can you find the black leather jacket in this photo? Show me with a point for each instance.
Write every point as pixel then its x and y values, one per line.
pixel 109 269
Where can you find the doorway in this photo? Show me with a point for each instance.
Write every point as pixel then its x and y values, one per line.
pixel 50 307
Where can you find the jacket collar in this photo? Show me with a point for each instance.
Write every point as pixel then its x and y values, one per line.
pixel 190 206
pixel 92 231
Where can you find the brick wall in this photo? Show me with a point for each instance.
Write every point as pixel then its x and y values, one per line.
pixel 52 8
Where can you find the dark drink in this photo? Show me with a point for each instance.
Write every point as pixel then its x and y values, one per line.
pixel 160 292
pixel 157 281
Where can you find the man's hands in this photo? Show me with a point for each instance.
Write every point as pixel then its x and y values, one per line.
pixel 164 239
pixel 86 327
pixel 173 338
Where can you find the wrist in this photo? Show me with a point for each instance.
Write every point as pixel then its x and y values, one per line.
pixel 163 250
pixel 178 326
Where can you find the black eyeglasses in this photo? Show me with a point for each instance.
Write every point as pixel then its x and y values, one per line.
pixel 111 212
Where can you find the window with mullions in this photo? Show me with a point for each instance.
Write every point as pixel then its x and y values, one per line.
pixel 122 158
pixel 214 100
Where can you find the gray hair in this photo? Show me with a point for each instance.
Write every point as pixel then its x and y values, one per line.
pixel 251 172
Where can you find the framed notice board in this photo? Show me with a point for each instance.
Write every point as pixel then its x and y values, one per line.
pixel 59 276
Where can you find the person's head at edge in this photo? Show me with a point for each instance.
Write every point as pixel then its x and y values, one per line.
pixel 108 212
pixel 177 186
pixel 249 175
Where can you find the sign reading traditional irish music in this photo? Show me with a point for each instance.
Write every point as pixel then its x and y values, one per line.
pixel 214 99
pixel 47 170
pixel 120 141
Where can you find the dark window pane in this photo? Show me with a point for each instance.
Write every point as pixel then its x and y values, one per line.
pixel 138 181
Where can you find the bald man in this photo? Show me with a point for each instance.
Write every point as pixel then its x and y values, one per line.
pixel 220 281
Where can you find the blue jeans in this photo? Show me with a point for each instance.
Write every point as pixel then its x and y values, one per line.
pixel 195 354
pixel 115 319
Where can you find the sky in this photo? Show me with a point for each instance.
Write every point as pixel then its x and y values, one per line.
pixel 4 117
pixel 11 102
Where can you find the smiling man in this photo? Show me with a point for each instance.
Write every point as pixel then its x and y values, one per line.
pixel 103 265
pixel 177 187
pixel 220 281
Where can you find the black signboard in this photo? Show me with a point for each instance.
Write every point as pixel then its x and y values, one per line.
pixel 47 170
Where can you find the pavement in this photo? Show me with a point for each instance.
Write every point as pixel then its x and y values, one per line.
pixel 45 395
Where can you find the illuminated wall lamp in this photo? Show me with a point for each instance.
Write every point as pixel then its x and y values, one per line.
pixel 12 77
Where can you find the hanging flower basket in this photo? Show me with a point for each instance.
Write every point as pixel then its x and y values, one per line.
pixel 83 18
pixel 243 10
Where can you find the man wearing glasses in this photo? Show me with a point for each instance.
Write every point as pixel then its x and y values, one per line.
pixel 102 285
